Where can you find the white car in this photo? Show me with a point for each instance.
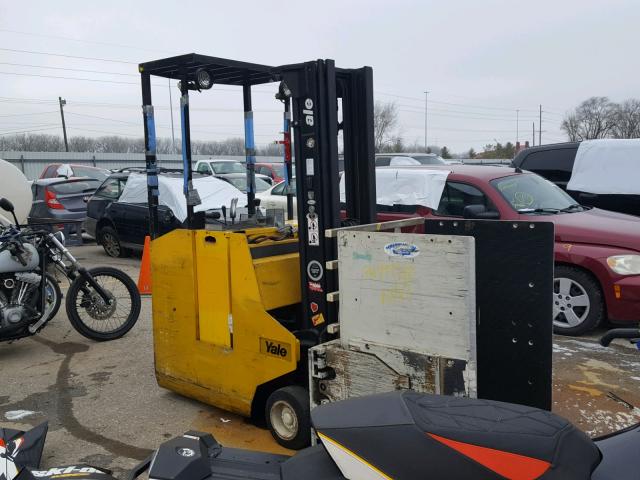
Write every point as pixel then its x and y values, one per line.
pixel 276 197
pixel 223 166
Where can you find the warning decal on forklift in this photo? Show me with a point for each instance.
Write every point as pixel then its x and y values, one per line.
pixel 314 270
pixel 275 348
pixel 313 229
pixel 317 319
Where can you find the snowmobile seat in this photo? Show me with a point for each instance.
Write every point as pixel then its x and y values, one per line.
pixel 404 434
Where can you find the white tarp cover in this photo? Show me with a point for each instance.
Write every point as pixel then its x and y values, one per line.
pixel 607 167
pixel 214 193
pixel 407 186
pixel 15 187
pixel 64 170
pixel 403 161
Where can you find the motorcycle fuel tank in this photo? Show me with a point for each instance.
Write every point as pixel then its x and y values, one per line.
pixel 9 264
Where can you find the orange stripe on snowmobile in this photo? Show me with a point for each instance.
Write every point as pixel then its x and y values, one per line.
pixel 509 465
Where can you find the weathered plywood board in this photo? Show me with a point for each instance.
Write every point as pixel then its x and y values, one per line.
pixel 412 292
pixel 339 373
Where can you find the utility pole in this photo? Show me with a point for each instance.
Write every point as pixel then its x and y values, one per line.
pixel 64 127
pixel 517 126
pixel 173 138
pixel 426 111
pixel 533 142
pixel 540 127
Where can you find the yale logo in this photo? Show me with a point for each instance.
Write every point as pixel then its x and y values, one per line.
pixel 275 348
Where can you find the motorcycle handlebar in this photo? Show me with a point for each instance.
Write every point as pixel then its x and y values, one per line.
pixel 619 333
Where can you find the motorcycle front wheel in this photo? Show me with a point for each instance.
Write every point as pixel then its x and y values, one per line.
pixel 96 319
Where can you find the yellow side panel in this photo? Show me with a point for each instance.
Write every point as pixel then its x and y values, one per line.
pixel 278 280
pixel 214 297
pixel 185 289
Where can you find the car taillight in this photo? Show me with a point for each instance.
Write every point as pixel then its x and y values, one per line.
pixel 51 200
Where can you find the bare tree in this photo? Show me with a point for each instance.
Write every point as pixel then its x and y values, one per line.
pixel 593 118
pixel 627 119
pixel 385 118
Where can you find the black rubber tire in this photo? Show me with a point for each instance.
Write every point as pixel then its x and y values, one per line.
pixel 54 283
pixel 297 399
pixel 596 300
pixel 114 249
pixel 85 330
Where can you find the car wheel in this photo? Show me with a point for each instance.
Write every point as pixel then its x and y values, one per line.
pixel 111 242
pixel 578 304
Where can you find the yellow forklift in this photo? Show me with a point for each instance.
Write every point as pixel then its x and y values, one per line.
pixel 236 306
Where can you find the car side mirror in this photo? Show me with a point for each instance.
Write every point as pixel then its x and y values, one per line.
pixel 6 205
pixel 256 201
pixel 480 212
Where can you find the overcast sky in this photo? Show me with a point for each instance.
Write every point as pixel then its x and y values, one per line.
pixel 480 60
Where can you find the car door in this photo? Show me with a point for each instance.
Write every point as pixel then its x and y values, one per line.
pixel 106 194
pixel 277 199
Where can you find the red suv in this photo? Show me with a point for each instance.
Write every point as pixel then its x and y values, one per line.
pixel 597 252
pixel 272 170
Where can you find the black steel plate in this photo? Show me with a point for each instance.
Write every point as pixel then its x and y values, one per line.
pixel 514 288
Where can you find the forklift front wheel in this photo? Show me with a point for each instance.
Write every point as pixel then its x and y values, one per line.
pixel 289 418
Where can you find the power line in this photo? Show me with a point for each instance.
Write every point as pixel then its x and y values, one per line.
pixel 25 114
pixel 455 114
pixel 67 56
pixel 105 131
pixel 68 78
pixel 77 40
pixel 15 132
pixel 69 69
pixel 137 124
pixel 452 103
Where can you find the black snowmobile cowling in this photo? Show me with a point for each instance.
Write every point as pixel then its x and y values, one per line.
pixel 19 450
pixel 400 436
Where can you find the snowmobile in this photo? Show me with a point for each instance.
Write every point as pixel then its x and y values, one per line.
pixel 398 435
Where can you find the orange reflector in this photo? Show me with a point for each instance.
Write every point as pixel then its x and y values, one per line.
pixel 618 291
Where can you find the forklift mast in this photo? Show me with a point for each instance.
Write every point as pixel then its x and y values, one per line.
pixel 319 92
pixel 316 93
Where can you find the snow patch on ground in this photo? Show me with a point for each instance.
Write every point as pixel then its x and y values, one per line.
pixel 562 349
pixel 18 414
pixel 613 421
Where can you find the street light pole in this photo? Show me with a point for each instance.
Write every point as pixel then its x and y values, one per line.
pixel 540 127
pixel 426 111
pixel 517 126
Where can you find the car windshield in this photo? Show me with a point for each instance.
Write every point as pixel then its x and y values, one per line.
pixel 429 159
pixel 530 193
pixel 241 184
pixel 227 167
pixel 79 171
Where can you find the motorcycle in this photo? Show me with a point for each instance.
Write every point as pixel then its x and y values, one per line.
pixel 102 303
